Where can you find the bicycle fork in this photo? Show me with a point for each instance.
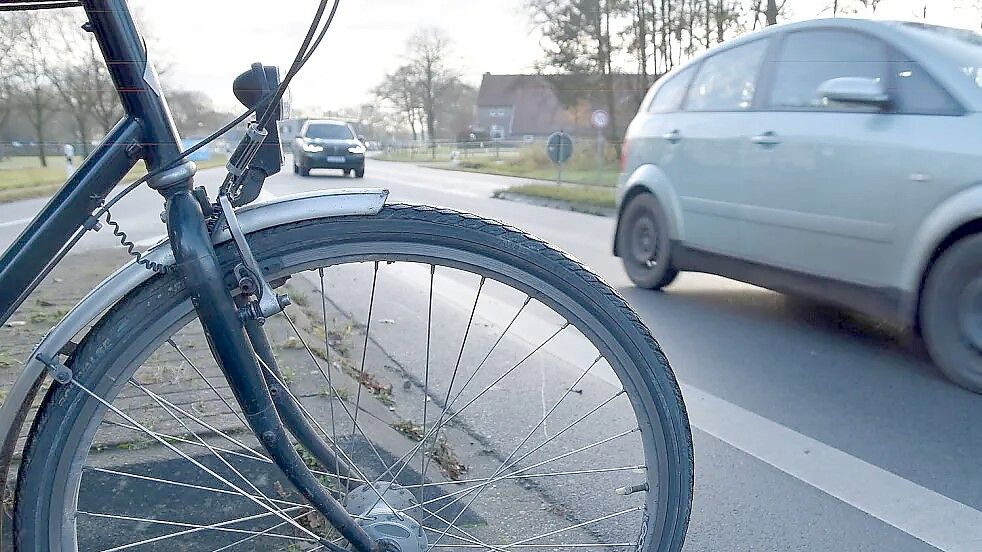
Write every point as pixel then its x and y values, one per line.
pixel 230 345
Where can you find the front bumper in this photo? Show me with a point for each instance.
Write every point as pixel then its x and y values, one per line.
pixel 322 160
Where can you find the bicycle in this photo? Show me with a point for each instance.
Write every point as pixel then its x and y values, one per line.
pixel 368 477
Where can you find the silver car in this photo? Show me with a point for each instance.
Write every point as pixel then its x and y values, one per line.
pixel 841 159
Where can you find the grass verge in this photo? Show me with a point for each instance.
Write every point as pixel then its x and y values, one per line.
pixel 586 166
pixel 594 196
pixel 608 175
pixel 30 182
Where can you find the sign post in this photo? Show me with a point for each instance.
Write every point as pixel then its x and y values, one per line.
pixel 600 120
pixel 559 147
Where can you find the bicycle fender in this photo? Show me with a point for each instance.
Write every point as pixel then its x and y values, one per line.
pixel 252 218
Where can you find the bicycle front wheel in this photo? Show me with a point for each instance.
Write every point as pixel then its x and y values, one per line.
pixel 515 400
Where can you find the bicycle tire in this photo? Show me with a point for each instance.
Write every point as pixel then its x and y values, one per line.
pixel 49 472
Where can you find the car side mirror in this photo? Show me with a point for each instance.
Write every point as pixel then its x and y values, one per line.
pixel 855 90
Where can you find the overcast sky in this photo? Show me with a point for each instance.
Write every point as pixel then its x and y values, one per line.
pixel 208 42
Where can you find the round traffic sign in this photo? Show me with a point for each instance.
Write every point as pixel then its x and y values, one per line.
pixel 600 119
pixel 559 147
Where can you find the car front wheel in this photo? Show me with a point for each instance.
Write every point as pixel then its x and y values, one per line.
pixel 951 313
pixel 643 243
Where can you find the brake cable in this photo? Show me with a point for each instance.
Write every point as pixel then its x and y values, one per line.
pixel 271 100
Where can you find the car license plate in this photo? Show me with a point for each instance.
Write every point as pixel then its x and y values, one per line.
pixel 335 159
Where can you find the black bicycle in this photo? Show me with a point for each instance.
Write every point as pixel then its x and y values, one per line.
pixel 438 381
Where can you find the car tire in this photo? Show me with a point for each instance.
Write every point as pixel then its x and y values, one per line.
pixel 359 173
pixel 643 243
pixel 951 313
pixel 304 171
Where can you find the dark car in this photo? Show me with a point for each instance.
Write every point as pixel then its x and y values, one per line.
pixel 328 145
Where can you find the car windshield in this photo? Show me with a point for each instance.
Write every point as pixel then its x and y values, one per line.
pixel 329 131
pixel 962 46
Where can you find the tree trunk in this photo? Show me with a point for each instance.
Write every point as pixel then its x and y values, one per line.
pixel 709 24
pixel 38 122
pixel 720 23
pixel 642 35
pixel 412 124
pixel 83 133
pixel 771 13
pixel 611 97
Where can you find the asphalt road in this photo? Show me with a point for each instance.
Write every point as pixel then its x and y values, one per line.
pixel 815 429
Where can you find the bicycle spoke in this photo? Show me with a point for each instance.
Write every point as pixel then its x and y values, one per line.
pixel 220 458
pixel 453 378
pixel 443 422
pixel 178 484
pixel 341 452
pixel 575 526
pixel 330 369
pixel 167 405
pixel 257 535
pixel 190 528
pixel 464 535
pixel 492 480
pixel 364 350
pixel 412 453
pixel 194 367
pixel 181 453
pixel 310 353
pixel 426 377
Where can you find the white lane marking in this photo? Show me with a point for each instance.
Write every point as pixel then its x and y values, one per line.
pixel 918 511
pixel 17 222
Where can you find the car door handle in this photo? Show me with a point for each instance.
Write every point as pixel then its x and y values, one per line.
pixel 766 139
pixel 673 136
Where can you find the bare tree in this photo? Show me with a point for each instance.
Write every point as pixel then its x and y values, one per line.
pixel 852 6
pixel 771 12
pixel 399 89
pixel 104 104
pixel 429 51
pixel 74 77
pixel 8 37
pixel 30 76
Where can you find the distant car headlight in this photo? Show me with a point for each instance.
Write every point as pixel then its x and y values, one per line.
pixel 357 149
pixel 312 148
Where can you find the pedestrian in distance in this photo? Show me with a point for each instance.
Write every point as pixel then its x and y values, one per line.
pixel 69 151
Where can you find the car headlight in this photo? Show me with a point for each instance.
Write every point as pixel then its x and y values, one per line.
pixel 356 149
pixel 312 148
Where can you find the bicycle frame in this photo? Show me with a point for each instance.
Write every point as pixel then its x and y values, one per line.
pixel 147 133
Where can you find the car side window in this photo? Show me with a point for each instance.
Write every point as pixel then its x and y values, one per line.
pixel 727 80
pixel 916 92
pixel 671 93
pixel 809 58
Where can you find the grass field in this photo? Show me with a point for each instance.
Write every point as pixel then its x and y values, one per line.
pixel 24 177
pixel 596 196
